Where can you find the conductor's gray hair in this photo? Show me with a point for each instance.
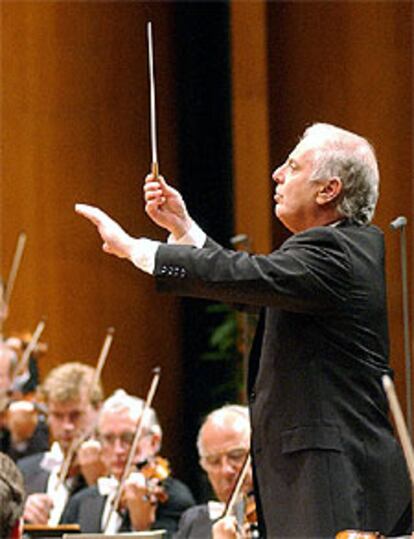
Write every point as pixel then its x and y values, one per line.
pixel 239 413
pixel 12 495
pixel 351 158
pixel 120 401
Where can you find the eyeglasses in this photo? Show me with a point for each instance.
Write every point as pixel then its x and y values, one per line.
pixel 235 457
pixel 125 438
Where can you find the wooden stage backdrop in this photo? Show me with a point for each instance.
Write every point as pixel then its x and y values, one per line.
pixel 74 128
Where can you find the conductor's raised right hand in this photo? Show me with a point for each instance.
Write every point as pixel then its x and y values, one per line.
pixel 165 206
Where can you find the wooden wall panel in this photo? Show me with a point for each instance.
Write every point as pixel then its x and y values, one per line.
pixel 75 128
pixel 347 63
pixel 250 108
pixel 352 66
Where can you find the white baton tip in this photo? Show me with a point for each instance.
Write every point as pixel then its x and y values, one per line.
pixel 386 382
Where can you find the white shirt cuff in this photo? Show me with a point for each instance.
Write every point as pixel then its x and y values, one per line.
pixel 195 237
pixel 143 254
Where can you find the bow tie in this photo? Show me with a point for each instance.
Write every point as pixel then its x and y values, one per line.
pixel 52 459
pixel 215 509
pixel 107 486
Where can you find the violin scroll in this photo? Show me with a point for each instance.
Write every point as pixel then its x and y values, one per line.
pixel 155 471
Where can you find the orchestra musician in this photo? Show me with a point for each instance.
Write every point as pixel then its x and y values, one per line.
pixel 23 430
pixel 223 442
pixel 12 497
pixel 26 382
pixel 323 449
pixel 139 510
pixel 72 411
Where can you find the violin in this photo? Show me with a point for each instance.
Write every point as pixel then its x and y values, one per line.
pixel 250 526
pixel 155 471
pixel 250 512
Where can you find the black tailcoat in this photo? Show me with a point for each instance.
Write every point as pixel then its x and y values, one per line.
pixel 324 454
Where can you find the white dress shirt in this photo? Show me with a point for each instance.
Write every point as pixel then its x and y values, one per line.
pixel 144 250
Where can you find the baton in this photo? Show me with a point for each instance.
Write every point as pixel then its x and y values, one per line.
pixel 153 116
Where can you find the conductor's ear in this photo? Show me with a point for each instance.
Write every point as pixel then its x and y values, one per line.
pixel 329 191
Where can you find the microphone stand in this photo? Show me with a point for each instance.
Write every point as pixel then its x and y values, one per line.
pixel 400 224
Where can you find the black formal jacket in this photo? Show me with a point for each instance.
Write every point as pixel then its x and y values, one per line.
pixel 86 509
pixel 195 523
pixel 36 478
pixel 324 454
pixel 38 443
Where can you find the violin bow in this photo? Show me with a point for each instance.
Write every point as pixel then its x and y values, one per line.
pixel 102 358
pixel 21 242
pixel 131 455
pixel 406 443
pixel 153 116
pixel 228 510
pixel 77 442
pixel 5 294
pixel 24 359
pixel 400 424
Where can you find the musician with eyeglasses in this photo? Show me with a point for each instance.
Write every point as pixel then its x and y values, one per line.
pixel 150 497
pixel 223 443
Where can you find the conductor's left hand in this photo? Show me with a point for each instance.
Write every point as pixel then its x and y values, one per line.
pixel 115 240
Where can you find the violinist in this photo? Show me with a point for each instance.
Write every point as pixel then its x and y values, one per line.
pixel 26 382
pixel 72 411
pixel 23 432
pixel 143 505
pixel 223 443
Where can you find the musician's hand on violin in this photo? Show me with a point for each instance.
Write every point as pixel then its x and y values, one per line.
pixel 138 501
pixel 37 508
pixel 165 206
pixel 116 241
pixel 90 462
pixel 225 528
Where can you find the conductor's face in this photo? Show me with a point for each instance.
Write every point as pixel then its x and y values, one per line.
pixel 296 194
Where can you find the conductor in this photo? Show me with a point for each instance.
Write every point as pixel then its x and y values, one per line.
pixel 324 454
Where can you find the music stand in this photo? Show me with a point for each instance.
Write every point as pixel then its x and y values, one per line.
pixel 152 534
pixel 37 531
